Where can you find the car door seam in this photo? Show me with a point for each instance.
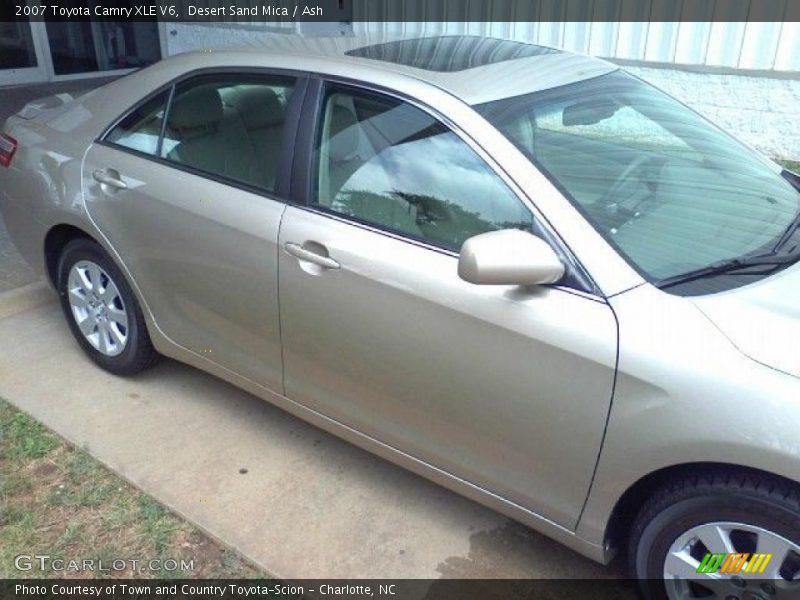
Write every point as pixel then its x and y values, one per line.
pixel 278 296
pixel 608 419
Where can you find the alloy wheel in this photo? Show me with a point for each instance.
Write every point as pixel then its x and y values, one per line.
pixel 750 576
pixel 98 308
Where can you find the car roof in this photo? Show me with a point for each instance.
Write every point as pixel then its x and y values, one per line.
pixel 476 69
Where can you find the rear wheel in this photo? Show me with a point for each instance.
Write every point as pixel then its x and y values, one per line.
pixel 728 512
pixel 102 311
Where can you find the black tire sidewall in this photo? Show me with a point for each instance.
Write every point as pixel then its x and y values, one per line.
pixel 674 520
pixel 126 362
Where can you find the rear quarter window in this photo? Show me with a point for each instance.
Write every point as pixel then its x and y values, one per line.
pixel 141 129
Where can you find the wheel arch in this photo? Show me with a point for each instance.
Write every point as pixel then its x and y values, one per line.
pixel 627 506
pixel 55 240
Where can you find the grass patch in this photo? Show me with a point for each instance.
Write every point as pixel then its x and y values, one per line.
pixel 23 437
pixel 792 165
pixel 59 501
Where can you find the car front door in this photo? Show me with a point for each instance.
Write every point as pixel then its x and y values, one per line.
pixel 505 387
pixel 188 190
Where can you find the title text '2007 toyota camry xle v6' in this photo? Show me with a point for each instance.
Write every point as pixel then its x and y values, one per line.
pixel 520 272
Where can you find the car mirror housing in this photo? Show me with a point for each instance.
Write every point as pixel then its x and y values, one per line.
pixel 509 257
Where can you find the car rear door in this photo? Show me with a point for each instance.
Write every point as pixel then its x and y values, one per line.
pixel 505 387
pixel 189 189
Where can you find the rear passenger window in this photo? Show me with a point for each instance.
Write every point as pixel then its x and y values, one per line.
pixel 141 129
pixel 230 126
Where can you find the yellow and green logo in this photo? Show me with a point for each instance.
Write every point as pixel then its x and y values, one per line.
pixel 734 563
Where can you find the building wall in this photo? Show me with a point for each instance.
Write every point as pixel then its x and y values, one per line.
pixel 737 85
pixel 762 46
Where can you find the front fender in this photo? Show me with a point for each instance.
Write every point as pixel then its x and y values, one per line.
pixel 685 395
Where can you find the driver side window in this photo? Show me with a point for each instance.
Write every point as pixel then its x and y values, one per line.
pixel 388 164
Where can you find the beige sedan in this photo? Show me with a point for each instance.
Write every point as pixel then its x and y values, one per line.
pixel 522 273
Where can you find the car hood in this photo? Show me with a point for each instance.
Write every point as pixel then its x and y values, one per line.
pixel 761 319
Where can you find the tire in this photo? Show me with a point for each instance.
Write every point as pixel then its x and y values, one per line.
pixel 119 343
pixel 745 507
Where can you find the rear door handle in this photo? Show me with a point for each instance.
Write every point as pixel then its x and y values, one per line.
pixel 109 177
pixel 298 251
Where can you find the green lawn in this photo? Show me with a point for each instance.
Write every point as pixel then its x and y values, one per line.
pixel 792 165
pixel 57 500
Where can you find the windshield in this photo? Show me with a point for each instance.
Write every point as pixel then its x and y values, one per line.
pixel 669 190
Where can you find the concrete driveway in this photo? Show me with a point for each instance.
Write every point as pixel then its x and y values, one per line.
pixel 309 505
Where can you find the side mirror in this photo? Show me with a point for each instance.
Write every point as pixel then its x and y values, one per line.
pixel 509 257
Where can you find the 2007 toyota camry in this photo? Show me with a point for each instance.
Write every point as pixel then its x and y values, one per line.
pixel 522 273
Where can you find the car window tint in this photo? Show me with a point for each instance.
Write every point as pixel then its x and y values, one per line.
pixel 625 126
pixel 230 126
pixel 141 129
pixel 387 163
pixel 669 191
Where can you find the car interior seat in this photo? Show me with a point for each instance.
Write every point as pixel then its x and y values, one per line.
pixel 263 116
pixel 209 136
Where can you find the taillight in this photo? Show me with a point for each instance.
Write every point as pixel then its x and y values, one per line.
pixel 8 146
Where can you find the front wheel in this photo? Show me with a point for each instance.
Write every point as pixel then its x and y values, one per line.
pixel 102 311
pixel 730 535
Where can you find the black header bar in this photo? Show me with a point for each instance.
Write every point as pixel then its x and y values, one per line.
pixel 289 11
pixel 320 589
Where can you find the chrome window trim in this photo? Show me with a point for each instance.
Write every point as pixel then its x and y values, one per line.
pixel 347 220
pixel 234 183
pixel 247 70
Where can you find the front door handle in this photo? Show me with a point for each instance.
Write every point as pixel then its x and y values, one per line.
pixel 109 177
pixel 298 251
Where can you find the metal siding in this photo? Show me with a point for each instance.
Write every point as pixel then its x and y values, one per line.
pixel 603 38
pixel 576 36
pixel 631 41
pixel 689 47
pixel 725 44
pixel 787 57
pixel 759 45
pixel 695 40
